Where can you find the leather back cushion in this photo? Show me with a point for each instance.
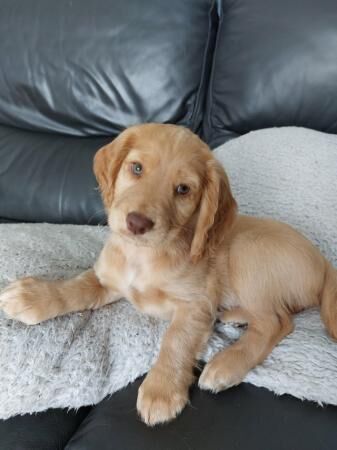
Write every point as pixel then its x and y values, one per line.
pixel 90 68
pixel 49 178
pixel 275 64
pixel 94 67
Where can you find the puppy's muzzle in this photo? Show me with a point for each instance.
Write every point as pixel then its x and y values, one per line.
pixel 138 223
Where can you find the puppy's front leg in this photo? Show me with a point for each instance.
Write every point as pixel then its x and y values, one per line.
pixel 164 392
pixel 31 300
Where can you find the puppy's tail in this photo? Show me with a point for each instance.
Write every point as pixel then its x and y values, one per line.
pixel 329 300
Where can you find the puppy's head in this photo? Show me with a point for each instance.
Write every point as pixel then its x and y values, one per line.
pixel 161 183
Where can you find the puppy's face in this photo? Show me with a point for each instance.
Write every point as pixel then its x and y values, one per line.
pixel 155 181
pixel 158 186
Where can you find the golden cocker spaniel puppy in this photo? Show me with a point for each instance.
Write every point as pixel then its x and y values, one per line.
pixel 179 250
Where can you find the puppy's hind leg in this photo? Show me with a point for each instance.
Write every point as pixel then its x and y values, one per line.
pixel 329 301
pixel 229 367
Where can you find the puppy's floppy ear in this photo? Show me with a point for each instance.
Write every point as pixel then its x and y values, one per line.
pixel 107 163
pixel 217 210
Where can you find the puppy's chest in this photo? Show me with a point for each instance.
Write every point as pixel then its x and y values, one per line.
pixel 145 287
pixel 134 276
pixel 120 272
pixel 139 273
pixel 152 284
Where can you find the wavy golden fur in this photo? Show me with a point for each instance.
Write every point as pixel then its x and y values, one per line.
pixel 179 250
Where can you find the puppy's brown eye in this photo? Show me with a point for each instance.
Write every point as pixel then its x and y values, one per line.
pixel 136 168
pixel 182 189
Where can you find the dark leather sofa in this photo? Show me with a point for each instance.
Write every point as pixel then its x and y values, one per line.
pixel 73 74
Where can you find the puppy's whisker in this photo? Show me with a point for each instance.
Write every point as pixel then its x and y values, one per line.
pixel 135 241
pixel 99 211
pixel 181 227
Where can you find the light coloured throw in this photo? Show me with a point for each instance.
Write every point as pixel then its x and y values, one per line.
pixel 75 360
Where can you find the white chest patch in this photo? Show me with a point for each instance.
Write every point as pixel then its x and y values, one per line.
pixel 130 276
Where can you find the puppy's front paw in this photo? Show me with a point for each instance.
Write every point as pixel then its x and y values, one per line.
pixel 160 399
pixel 29 300
pixel 221 373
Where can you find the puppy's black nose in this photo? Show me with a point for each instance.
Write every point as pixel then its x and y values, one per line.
pixel 137 223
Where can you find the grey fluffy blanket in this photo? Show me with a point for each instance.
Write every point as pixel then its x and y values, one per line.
pixel 289 174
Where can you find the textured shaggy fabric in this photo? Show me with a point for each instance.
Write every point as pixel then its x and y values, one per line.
pixel 288 173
